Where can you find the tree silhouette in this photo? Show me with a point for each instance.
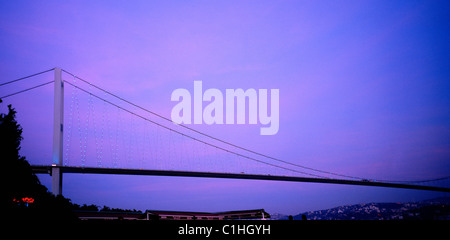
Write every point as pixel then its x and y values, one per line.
pixel 23 196
pixel 20 181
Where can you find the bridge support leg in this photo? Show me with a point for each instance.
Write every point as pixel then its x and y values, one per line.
pixel 58 123
pixel 57 181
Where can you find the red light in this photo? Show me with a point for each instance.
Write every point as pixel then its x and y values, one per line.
pixel 28 200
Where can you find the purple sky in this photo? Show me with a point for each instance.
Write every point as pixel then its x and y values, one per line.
pixel 363 92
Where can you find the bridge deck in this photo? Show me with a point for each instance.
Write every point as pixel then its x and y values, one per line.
pixel 121 171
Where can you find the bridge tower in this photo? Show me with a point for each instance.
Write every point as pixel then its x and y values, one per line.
pixel 58 127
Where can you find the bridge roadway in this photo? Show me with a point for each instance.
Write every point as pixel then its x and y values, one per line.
pixel 122 171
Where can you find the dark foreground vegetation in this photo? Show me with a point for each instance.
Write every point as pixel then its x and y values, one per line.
pixel 24 197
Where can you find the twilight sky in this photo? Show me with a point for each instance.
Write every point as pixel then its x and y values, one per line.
pixel 364 91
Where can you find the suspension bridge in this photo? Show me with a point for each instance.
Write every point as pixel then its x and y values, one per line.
pixel 96 131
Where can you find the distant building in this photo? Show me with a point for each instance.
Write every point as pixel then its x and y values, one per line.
pixel 230 215
pixel 173 215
